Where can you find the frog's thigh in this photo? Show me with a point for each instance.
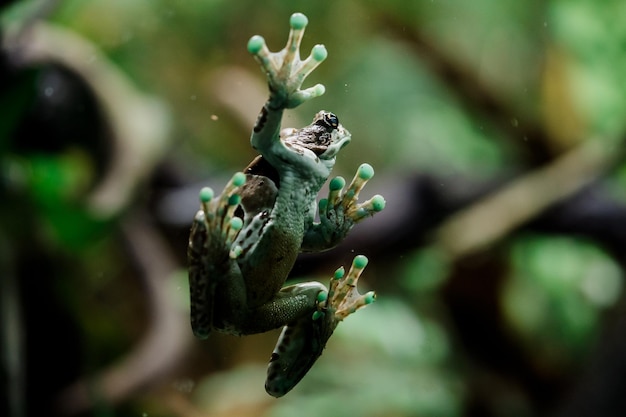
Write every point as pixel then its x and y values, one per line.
pixel 299 345
pixel 230 301
pixel 289 305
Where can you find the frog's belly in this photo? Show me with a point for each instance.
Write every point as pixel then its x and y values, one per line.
pixel 274 258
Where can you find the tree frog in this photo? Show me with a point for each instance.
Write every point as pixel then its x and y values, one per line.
pixel 244 242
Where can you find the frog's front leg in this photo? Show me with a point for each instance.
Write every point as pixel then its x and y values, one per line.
pixel 285 73
pixel 211 255
pixel 341 210
pixel 302 341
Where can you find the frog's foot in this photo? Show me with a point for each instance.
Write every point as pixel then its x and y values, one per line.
pixel 285 70
pixel 343 297
pixel 303 341
pixel 219 213
pixel 341 210
pixel 346 202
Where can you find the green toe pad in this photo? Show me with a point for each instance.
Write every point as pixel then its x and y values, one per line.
pixel 298 21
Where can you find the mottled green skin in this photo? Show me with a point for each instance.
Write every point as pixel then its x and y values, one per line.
pixel 244 243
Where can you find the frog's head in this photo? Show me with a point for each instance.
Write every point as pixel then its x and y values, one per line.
pixel 317 145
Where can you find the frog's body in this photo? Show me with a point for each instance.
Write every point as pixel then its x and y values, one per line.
pixel 244 243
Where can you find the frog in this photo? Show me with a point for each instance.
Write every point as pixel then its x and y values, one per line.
pixel 245 241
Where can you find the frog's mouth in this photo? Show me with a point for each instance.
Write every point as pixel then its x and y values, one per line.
pixel 340 137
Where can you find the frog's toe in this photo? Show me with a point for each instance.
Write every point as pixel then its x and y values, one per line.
pixel 298 23
pixel 368 208
pixel 364 173
pixel 301 96
pixel 318 54
pixel 258 48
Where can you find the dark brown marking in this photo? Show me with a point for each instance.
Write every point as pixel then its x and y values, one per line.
pixel 261 120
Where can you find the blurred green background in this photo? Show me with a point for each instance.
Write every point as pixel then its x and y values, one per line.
pixel 496 129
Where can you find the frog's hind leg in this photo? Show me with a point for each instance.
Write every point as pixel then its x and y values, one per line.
pixel 201 287
pixel 302 341
pixel 298 347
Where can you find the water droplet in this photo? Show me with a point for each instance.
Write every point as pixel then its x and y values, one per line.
pixel 48 91
pixel 514 122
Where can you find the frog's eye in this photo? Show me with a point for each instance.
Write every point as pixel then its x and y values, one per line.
pixel 332 120
pixel 329 121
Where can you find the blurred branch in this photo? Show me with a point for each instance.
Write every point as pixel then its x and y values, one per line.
pixel 167 336
pixel 495 216
pixel 139 124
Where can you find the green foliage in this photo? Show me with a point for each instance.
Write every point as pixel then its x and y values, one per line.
pixel 424 271
pixel 593 40
pixel 553 298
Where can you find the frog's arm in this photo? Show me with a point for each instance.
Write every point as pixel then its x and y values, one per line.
pixel 285 73
pixel 210 257
pixel 340 211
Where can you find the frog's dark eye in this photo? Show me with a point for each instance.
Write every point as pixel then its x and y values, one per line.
pixel 329 121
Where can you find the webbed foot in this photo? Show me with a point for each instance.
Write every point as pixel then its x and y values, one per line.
pixel 285 70
pixel 343 297
pixel 341 209
pixel 346 202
